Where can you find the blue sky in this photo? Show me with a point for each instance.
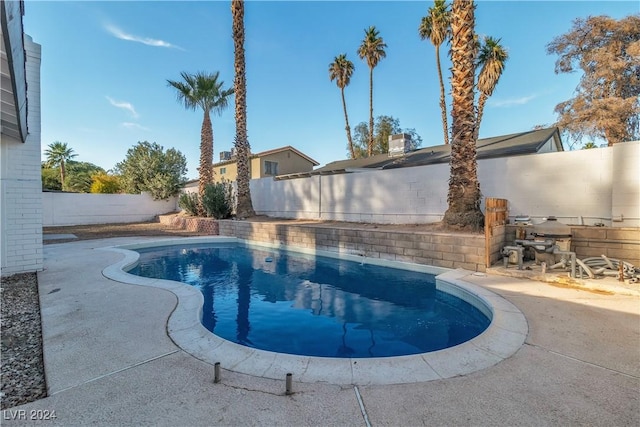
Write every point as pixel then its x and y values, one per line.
pixel 105 66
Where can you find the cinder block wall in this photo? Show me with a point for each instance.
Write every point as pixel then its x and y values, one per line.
pixel 20 183
pixel 83 208
pixel 619 243
pixel 430 248
pixel 496 243
pixel 600 185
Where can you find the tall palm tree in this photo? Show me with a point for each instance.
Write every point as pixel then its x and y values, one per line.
pixel 371 50
pixel 464 188
pixel 244 207
pixel 436 27
pixel 341 70
pixel 203 90
pixel 58 154
pixel 491 58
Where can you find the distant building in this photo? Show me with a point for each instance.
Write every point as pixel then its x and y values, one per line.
pixel 20 179
pixel 279 161
pixel 531 142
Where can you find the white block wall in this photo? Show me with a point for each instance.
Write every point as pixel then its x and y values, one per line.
pixel 20 183
pixel 82 208
pixel 599 185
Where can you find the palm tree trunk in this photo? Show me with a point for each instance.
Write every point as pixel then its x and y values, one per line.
pixel 244 206
pixel 464 188
pixel 481 101
pixel 62 174
pixel 347 127
pixel 370 145
pixel 443 104
pixel 206 154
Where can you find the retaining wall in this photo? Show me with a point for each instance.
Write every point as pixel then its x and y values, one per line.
pixel 421 247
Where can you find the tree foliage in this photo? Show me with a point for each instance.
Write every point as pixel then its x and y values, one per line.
pixel 104 183
pixel 606 104
pixel 50 178
pixel 78 176
pixel 436 27
pixel 204 91
pixel 147 167
pixel 341 70
pixel 58 154
pixel 384 127
pixel 372 50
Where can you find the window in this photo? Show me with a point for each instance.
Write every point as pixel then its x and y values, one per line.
pixel 270 168
pixel 223 171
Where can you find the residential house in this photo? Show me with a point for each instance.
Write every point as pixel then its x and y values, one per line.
pixel 530 142
pixel 279 161
pixel 20 180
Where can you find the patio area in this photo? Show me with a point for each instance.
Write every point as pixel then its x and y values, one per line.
pixel 109 361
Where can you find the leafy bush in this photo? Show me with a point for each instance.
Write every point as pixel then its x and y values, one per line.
pixel 105 184
pixel 217 200
pixel 189 202
pixel 148 167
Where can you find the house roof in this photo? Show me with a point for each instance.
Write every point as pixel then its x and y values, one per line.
pixel 269 152
pixel 529 142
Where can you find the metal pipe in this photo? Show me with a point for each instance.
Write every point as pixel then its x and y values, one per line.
pixel 216 372
pixel 519 250
pixel 573 259
pixel 289 384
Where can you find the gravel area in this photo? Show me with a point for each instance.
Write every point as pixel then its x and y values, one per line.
pixel 22 369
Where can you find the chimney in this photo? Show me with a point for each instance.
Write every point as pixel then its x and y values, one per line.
pixel 399 144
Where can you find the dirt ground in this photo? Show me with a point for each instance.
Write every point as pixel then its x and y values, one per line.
pixel 154 228
pixel 103 231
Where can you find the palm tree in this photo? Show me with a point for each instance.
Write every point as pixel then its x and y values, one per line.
pixel 464 188
pixel 491 58
pixel 436 27
pixel 58 154
pixel 341 70
pixel 205 91
pixel 244 207
pixel 371 50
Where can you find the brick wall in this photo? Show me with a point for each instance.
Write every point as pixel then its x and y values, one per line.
pixel 20 184
pixel 421 247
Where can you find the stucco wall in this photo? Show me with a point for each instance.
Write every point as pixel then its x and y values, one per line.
pixel 20 183
pixel 81 208
pixel 579 187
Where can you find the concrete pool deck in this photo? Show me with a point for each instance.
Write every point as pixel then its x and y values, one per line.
pixel 110 361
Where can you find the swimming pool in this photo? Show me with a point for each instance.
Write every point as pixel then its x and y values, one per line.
pixel 285 302
pixel 504 336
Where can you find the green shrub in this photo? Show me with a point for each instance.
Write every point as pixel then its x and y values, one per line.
pixel 189 202
pixel 217 200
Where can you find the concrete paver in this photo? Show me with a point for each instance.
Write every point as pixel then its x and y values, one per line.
pixel 109 361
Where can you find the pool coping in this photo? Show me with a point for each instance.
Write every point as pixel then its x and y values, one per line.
pixel 503 338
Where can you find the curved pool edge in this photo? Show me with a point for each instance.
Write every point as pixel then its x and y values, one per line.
pixel 503 338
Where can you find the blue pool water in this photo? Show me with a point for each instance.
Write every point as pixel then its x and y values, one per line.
pixel 315 306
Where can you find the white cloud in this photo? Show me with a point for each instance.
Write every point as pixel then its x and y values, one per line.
pixel 130 125
pixel 510 102
pixel 117 32
pixel 124 105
